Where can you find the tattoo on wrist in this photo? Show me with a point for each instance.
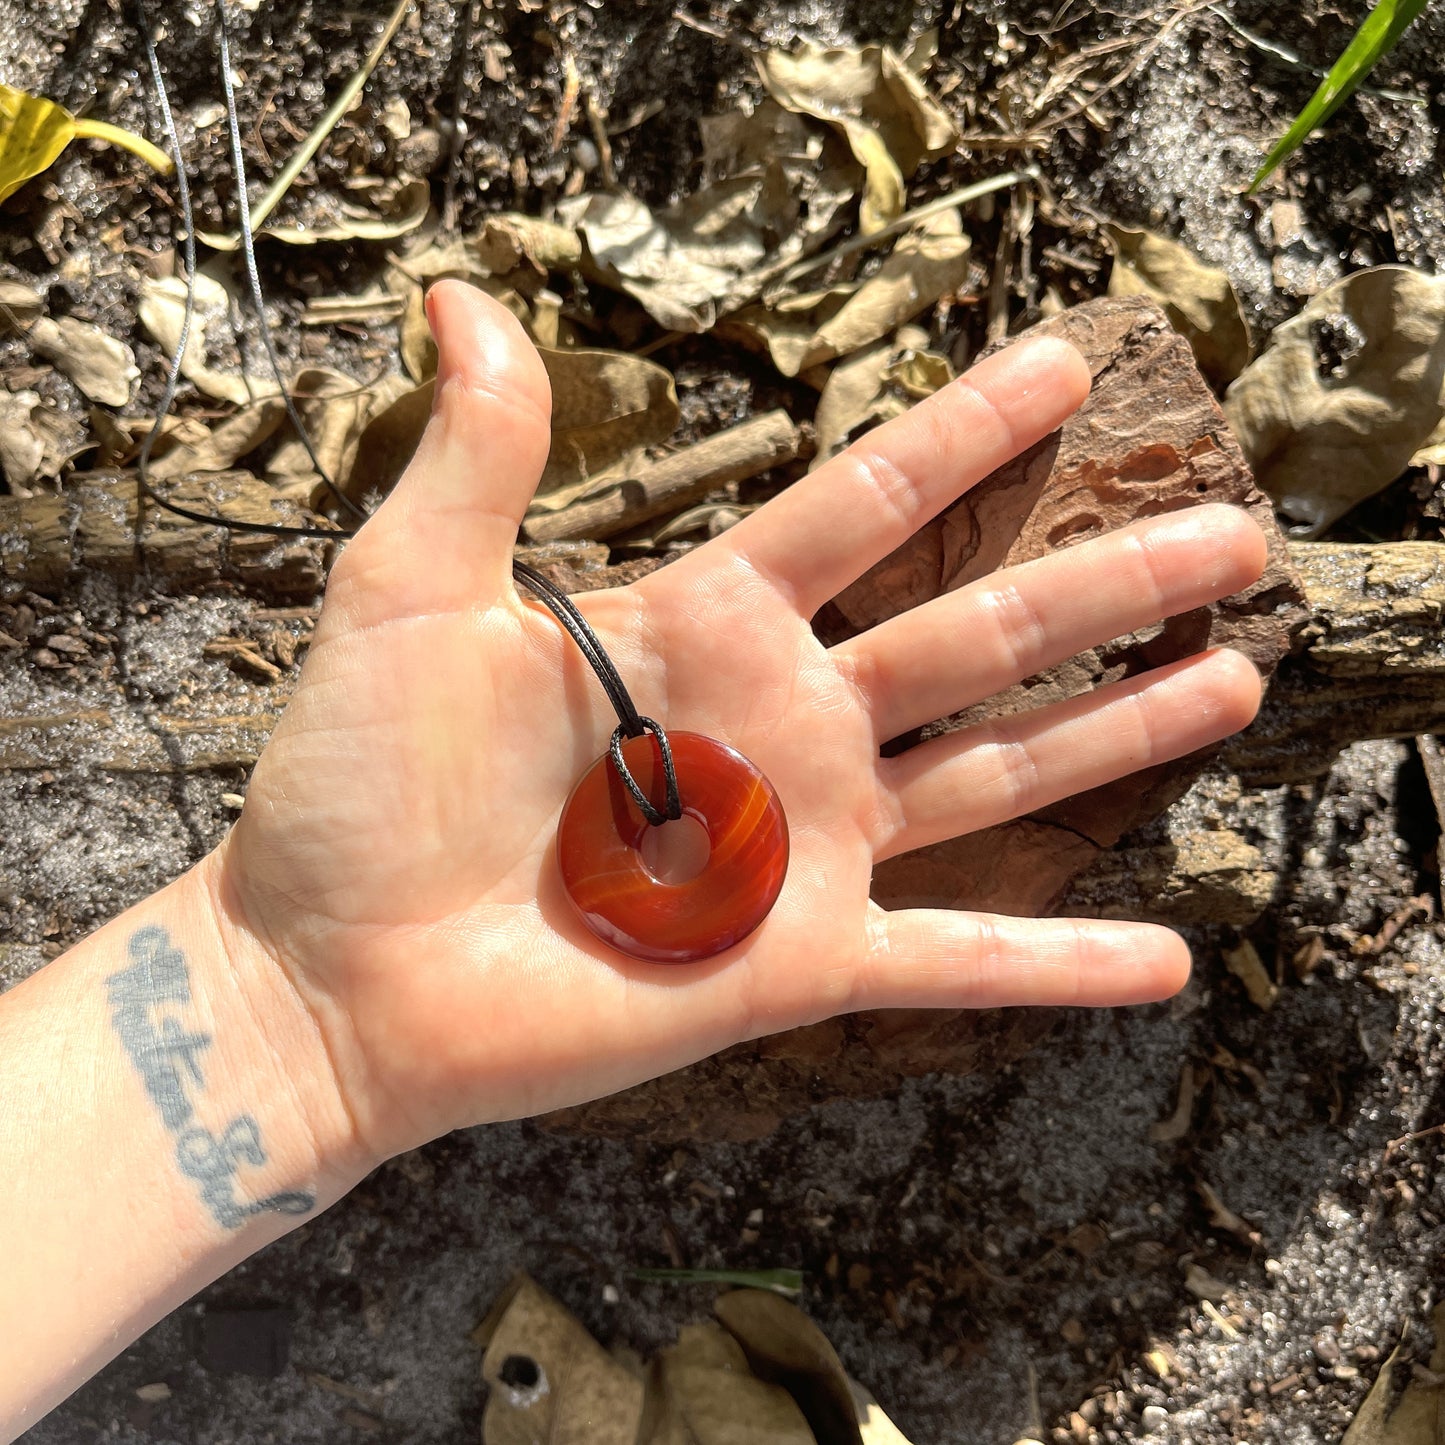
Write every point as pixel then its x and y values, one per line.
pixel 168 1058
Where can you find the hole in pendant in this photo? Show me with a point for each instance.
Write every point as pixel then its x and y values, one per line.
pixel 675 852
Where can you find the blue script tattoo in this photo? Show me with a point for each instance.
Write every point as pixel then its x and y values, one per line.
pixel 168 1057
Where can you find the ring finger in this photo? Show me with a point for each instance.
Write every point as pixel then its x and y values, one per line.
pixel 951 652
pixel 984 775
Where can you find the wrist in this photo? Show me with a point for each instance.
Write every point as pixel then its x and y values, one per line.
pixel 281 1052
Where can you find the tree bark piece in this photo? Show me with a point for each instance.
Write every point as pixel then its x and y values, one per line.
pixel 674 482
pixel 1371 660
pixel 47 541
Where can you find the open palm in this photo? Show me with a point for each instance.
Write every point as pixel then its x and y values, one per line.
pixel 396 854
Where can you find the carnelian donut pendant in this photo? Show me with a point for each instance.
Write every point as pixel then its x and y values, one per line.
pixel 610 869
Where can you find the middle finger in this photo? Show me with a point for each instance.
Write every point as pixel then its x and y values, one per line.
pixel 955 650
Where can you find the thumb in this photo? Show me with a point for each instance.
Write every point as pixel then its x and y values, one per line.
pixel 443 538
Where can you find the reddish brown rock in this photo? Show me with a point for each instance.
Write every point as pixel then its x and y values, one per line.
pixel 1150 439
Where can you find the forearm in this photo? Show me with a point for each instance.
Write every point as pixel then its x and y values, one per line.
pixel 166 1109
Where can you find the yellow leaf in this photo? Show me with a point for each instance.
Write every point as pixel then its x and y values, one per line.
pixel 33 132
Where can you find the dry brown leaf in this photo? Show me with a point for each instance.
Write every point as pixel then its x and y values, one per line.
pixel 784 1347
pixel 19 303
pixel 219 448
pixel 543 1370
pixel 712 519
pixel 388 443
pixel 776 186
pixel 808 174
pixel 769 1375
pixel 408 276
pixel 22 448
pixel 335 411
pixel 928 263
pixel 1419 1418
pixel 1198 299
pixel 879 105
pixel 700 1392
pixel 162 310
pixel 875 385
pixel 510 241
pixel 606 406
pixel 786 328
pixel 397 206
pixel 679 264
pixel 1344 394
pixel 1432 449
pixel 102 368
pixel 1244 962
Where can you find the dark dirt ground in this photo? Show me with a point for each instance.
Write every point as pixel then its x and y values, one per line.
pixel 968 1234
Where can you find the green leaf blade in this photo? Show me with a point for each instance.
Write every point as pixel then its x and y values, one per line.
pixel 1377 35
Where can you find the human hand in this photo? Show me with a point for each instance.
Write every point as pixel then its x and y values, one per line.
pixel 396 855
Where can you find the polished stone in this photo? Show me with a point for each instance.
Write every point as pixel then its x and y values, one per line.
pixel 604 851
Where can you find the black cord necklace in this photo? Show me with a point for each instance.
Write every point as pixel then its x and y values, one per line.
pixel 602 835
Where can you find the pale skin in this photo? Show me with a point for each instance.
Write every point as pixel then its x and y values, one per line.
pixel 380 950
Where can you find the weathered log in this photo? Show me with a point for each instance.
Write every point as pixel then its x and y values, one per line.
pixel 1370 660
pixel 674 482
pixel 92 527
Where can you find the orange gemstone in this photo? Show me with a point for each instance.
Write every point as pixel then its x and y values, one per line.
pixel 604 851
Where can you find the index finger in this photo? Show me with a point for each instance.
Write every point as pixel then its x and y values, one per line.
pixel 826 530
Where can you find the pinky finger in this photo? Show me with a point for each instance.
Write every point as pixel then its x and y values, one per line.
pixel 933 958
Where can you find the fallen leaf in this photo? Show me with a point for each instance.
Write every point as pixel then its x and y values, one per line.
pixel 1244 962
pixel 784 1347
pixel 22 448
pixel 335 411
pixel 807 172
pixel 400 205
pixel 19 303
pixel 219 448
pixel 34 131
pixel 874 386
pixel 1419 1418
pixel 701 1390
pixel 1344 394
pixel 1432 449
pixel 1370 1425
pixel 387 444
pixel 879 105
pixel 542 1369
pixel 511 240
pixel 928 263
pixel 1198 299
pixel 712 519
pixel 767 1373
pixel 786 328
pixel 606 406
pixel 776 186
pixel 679 263
pixel 102 368
pixel 162 310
